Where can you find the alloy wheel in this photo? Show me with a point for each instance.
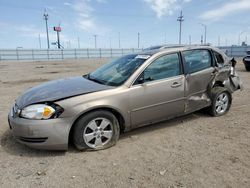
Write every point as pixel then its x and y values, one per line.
pixel 222 102
pixel 98 132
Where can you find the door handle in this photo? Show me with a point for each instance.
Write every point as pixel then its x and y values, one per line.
pixel 176 84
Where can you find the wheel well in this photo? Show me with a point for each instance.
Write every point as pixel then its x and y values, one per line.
pixel 115 112
pixel 218 83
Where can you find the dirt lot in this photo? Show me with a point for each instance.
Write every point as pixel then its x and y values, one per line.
pixel 193 151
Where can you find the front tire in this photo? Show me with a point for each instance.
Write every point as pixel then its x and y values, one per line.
pixel 221 101
pixel 96 130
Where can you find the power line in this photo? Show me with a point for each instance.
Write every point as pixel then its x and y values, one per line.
pixel 180 19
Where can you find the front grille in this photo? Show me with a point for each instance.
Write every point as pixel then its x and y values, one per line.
pixel 33 140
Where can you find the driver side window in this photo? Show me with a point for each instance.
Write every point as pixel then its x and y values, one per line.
pixel 164 67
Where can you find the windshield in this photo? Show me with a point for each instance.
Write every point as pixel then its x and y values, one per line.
pixel 118 71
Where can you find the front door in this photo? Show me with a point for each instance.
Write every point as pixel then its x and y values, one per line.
pixel 161 96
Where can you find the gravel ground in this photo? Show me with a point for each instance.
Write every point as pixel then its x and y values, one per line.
pixel 192 151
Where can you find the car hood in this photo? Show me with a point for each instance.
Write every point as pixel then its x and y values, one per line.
pixel 59 89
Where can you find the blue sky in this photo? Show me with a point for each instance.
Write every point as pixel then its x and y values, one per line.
pixel 21 22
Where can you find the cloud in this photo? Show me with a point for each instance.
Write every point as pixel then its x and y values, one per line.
pixel 165 7
pixel 86 20
pixel 32 31
pixel 67 4
pixel 234 6
pixel 101 1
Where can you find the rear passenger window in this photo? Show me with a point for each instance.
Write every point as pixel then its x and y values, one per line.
pixel 197 60
pixel 219 58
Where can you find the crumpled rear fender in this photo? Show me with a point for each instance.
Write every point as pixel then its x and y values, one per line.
pixel 233 83
pixel 226 76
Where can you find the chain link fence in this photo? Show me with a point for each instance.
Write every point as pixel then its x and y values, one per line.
pixel 57 54
pixel 235 51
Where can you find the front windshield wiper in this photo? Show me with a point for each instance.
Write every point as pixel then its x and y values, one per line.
pixel 94 79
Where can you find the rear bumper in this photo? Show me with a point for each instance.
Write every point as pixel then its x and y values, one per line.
pixel 49 134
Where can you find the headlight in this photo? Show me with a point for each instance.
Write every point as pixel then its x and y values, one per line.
pixel 38 111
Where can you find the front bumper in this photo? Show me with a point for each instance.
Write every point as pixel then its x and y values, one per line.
pixel 52 134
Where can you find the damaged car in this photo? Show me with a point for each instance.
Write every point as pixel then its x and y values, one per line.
pixel 246 61
pixel 133 91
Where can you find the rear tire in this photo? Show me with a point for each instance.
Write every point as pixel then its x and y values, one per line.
pixel 221 101
pixel 96 131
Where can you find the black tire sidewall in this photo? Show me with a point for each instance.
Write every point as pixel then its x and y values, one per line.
pixel 83 121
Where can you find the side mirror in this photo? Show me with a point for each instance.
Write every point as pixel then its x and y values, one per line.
pixel 149 78
pixel 140 80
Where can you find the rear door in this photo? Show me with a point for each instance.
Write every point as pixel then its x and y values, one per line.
pixel 161 96
pixel 200 70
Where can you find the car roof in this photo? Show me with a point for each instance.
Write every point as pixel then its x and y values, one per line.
pixel 178 48
pixel 163 47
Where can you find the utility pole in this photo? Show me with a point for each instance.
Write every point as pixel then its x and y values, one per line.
pixel 119 40
pixel 190 40
pixel 46 17
pixel 239 39
pixel 205 33
pixel 180 19
pixel 110 43
pixel 138 40
pixel 58 40
pixel 165 38
pixel 218 40
pixel 201 39
pixel 39 38
pixel 95 36
pixel 78 40
pixel 58 30
pixel 69 44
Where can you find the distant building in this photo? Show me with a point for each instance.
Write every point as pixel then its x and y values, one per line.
pixel 244 44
